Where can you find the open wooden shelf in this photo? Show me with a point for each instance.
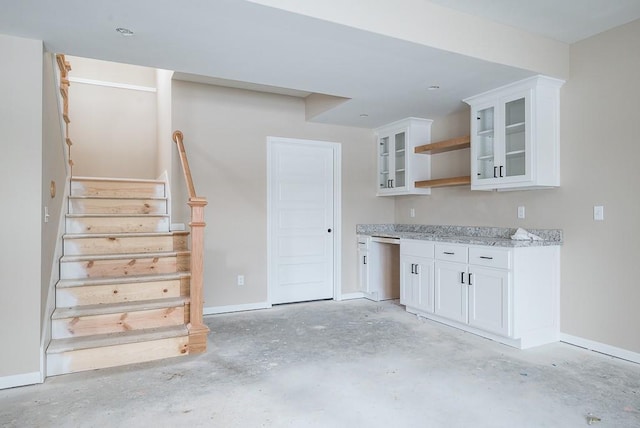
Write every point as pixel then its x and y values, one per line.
pixel 440 182
pixel 445 146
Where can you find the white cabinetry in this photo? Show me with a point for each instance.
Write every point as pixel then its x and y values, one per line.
pixel 416 274
pixel 398 165
pixel 515 136
pixel 507 294
pixel 363 264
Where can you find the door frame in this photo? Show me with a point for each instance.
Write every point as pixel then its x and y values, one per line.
pixel 337 210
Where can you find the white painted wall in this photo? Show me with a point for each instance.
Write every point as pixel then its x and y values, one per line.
pixel 21 214
pixel 599 166
pixel 429 24
pixel 113 129
pixel 225 137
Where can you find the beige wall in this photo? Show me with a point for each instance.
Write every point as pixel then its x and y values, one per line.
pixel 599 165
pixel 54 168
pixel 225 137
pixel 109 125
pixel 21 214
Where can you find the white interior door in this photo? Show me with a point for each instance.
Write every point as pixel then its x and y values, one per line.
pixel 301 220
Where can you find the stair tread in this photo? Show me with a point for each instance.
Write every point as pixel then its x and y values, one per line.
pixel 121 256
pixel 111 308
pixel 70 283
pixel 129 198
pixel 118 180
pixel 123 234
pixel 119 338
pixel 116 215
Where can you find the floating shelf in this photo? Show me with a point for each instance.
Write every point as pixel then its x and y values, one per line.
pixel 445 146
pixel 441 182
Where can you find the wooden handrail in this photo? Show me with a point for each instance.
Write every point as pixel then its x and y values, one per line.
pixel 178 139
pixel 197 329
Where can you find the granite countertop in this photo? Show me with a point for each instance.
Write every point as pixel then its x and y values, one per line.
pixel 490 236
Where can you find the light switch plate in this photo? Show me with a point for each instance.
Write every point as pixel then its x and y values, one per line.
pixel 521 212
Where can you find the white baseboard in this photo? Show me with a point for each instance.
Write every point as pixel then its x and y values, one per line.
pixel 351 296
pixel 20 380
pixel 601 347
pixel 235 308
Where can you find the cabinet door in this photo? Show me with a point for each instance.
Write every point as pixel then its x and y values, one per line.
pixel 363 270
pixel 416 283
pixel 385 162
pixel 489 295
pixel 423 280
pixel 515 123
pixel 399 180
pixel 483 164
pixel 451 290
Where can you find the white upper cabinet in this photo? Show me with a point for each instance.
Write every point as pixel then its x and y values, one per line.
pixel 399 167
pixel 515 133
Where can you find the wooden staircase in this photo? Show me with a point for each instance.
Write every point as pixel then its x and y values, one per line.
pixel 123 295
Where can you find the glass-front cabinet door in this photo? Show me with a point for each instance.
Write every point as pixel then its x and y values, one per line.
pixel 485 152
pixel 515 140
pixel 400 160
pixel 383 163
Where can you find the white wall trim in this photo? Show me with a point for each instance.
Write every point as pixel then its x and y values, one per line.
pixel 601 347
pixel 351 296
pixel 236 308
pixel 20 380
pixel 112 84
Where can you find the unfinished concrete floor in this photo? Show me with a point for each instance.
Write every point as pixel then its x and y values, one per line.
pixel 340 364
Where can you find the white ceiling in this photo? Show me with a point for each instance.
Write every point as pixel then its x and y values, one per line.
pixel 241 43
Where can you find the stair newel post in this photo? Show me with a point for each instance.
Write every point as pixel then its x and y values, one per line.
pixel 197 329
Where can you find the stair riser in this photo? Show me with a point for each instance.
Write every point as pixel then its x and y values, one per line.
pixel 119 293
pixel 122 245
pixel 117 206
pixel 117 224
pixel 117 355
pixel 114 323
pixel 117 189
pixel 126 267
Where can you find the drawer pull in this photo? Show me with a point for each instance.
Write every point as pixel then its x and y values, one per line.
pixel 486 257
pixel 449 253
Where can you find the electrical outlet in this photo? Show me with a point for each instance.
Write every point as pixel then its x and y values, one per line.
pixel 240 279
pixel 412 212
pixel 598 212
pixel 521 212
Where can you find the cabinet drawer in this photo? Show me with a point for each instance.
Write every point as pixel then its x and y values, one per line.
pixel 451 252
pixel 490 257
pixel 416 248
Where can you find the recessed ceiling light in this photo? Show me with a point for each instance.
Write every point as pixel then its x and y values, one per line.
pixel 364 115
pixel 124 31
pixel 433 88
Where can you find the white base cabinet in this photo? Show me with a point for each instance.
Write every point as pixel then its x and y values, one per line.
pixel 416 275
pixel 510 295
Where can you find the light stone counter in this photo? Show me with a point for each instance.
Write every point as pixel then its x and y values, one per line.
pixel 491 236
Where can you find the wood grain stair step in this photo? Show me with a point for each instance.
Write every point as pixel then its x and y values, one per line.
pixel 118 265
pixel 77 354
pixel 102 309
pixel 110 339
pixel 123 316
pixel 87 291
pixel 116 187
pixel 116 223
pixel 134 242
pixel 107 205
